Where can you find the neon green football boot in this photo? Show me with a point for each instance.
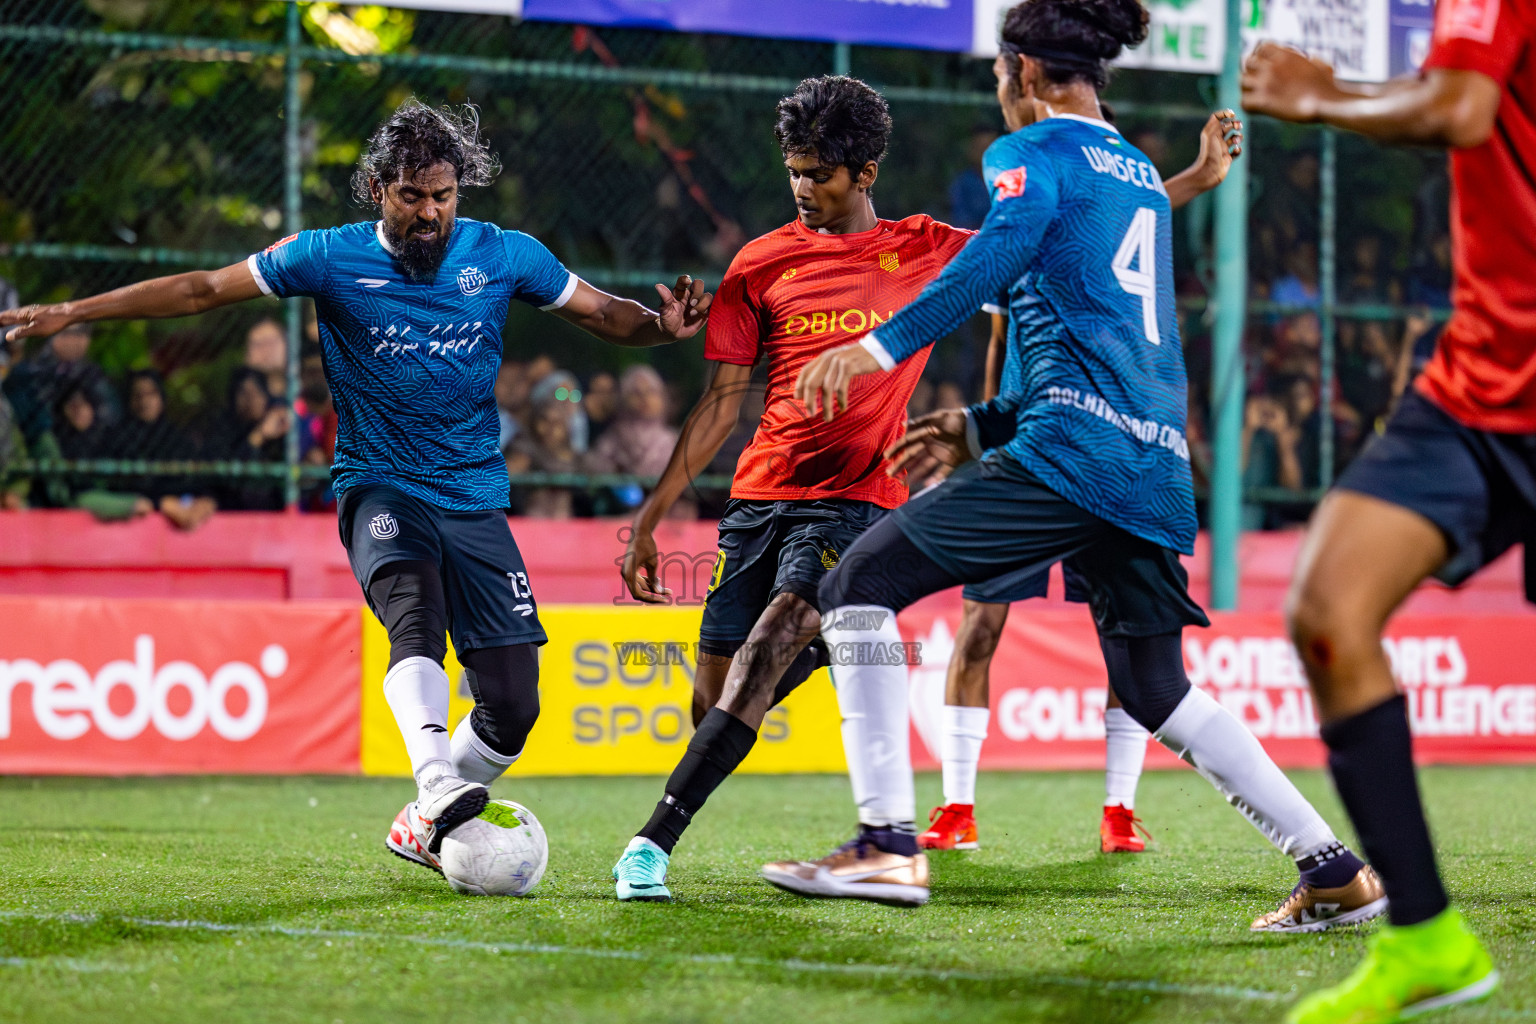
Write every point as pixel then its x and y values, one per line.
pixel 1406 971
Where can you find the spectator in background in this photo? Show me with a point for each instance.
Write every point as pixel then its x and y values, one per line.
pixel 36 385
pixel 317 426
pixel 10 351
pixel 1270 457
pixel 13 448
pixel 563 388
pixel 146 433
pixel 639 442
pixel 511 390
pixel 254 429
pixel 1366 280
pixel 545 447
pixel 1429 279
pixel 266 352
pixel 1299 285
pixel 969 197
pixel 600 402
pixel 78 433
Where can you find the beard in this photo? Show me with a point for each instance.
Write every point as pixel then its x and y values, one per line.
pixel 420 259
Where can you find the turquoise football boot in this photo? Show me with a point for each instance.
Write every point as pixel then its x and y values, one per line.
pixel 641 874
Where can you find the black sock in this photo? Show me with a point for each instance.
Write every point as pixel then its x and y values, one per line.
pixel 1371 757
pixel 900 839
pixel 812 657
pixel 721 743
pixel 1332 867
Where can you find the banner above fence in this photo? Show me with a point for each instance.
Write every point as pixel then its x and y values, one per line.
pixel 922 24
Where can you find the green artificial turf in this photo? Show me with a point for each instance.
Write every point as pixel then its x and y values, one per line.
pixel 214 900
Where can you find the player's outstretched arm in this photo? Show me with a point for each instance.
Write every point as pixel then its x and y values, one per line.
pixel 684 308
pixel 1221 142
pixel 706 429
pixel 177 295
pixel 1443 107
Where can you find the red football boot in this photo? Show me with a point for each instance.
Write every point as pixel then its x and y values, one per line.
pixel 952 827
pixel 1117 831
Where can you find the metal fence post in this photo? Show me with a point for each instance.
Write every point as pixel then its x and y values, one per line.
pixel 1228 386
pixel 293 221
pixel 842 58
pixel 1327 268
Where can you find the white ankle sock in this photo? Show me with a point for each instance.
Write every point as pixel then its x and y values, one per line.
pixel 1220 748
pixel 965 729
pixel 473 759
pixel 873 701
pixel 417 692
pixel 1125 750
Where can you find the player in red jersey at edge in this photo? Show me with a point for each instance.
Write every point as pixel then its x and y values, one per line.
pixel 1450 486
pixel 804 490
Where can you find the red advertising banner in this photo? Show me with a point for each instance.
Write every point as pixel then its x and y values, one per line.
pixel 1470 683
pixel 124 687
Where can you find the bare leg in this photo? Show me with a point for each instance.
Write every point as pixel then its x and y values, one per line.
pixel 786 626
pixel 708 683
pixel 1362 558
pixel 981 627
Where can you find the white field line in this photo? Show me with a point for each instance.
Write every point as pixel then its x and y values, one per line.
pixel 728 959
pixel 64 963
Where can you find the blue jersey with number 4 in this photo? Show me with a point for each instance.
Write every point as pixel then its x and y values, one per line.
pixel 412 366
pixel 1093 398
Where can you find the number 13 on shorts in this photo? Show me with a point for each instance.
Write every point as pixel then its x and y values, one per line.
pixel 1140 247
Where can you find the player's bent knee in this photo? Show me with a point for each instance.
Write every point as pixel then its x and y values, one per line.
pixel 981 630
pixel 505 684
pixel 1147 674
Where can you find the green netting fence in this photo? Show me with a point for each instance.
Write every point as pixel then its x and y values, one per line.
pixel 144 137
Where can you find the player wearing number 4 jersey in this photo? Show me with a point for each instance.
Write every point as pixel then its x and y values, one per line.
pixel 1448 488
pixel 411 310
pixel 966 698
pixel 1088 463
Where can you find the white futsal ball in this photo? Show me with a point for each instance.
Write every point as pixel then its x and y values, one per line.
pixel 502 852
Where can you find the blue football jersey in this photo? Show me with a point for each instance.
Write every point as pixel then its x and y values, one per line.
pixel 1093 397
pixel 412 366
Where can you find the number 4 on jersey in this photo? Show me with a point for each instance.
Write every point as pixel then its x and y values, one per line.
pixel 1140 246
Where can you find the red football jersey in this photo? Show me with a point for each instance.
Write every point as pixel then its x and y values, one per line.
pixel 1484 369
pixel 791 295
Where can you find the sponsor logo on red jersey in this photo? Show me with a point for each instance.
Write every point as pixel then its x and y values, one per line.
pixel 1010 184
pixel 1467 19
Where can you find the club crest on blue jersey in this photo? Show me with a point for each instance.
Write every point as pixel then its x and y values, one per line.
pixel 383 526
pixel 472 280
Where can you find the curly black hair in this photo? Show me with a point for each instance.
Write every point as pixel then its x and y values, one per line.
pixel 1074 39
pixel 417 136
pixel 840 119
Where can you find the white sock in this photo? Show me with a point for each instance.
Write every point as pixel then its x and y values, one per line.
pixel 1125 750
pixel 1220 748
pixel 873 701
pixel 417 692
pixel 473 759
pixel 965 729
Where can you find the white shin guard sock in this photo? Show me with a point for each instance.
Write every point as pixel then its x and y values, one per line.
pixel 965 730
pixel 473 759
pixel 1125 750
pixel 873 701
pixel 1221 748
pixel 417 692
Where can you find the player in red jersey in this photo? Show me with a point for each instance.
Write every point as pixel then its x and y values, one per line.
pixel 804 490
pixel 1450 486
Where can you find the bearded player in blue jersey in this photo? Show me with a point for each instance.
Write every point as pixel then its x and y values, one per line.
pixel 1089 465
pixel 411 309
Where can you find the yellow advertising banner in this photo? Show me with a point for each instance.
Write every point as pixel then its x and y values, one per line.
pixel 616 689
